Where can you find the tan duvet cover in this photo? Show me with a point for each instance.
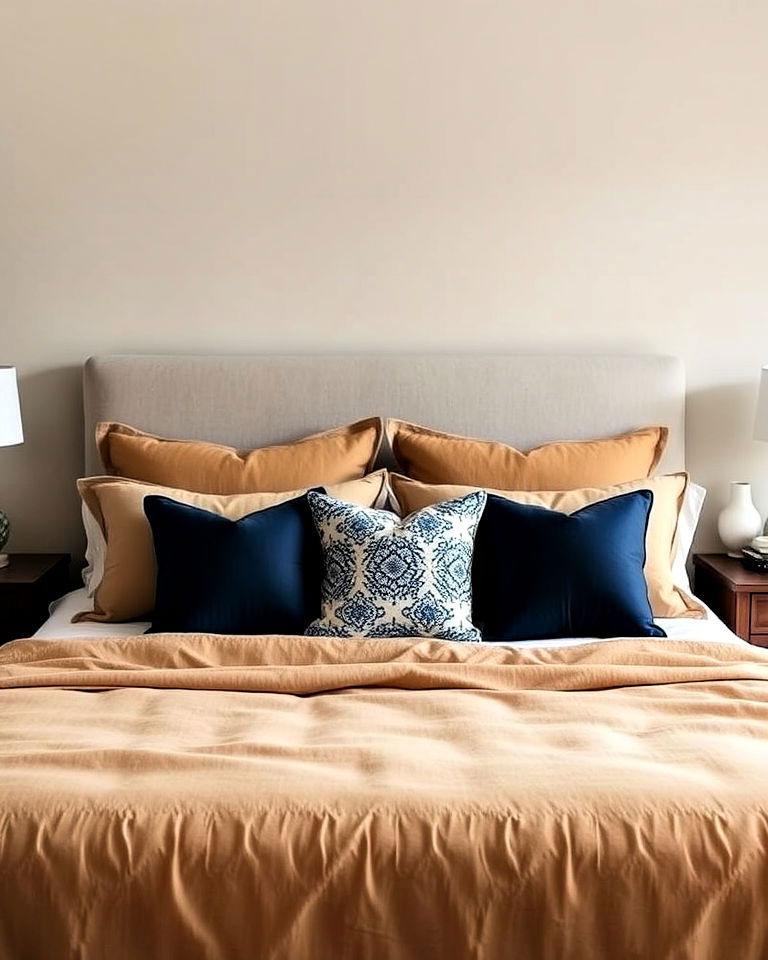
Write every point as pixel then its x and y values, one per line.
pixel 262 797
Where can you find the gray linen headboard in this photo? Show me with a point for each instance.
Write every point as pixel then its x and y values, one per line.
pixel 249 401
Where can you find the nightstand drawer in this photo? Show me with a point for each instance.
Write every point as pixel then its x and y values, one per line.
pixel 758 616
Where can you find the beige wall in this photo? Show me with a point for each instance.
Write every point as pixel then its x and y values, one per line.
pixel 223 175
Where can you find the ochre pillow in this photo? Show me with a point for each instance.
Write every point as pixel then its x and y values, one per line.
pixel 667 599
pixel 435 457
pixel 346 453
pixel 124 562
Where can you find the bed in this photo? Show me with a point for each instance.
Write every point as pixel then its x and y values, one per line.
pixel 286 797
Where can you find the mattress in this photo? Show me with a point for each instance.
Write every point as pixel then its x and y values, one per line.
pixel 59 626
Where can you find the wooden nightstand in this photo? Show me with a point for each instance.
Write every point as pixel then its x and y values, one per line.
pixel 737 595
pixel 27 585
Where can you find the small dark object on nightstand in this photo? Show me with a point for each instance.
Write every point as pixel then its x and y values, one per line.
pixel 754 560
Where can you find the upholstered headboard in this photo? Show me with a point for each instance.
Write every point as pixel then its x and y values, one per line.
pixel 249 401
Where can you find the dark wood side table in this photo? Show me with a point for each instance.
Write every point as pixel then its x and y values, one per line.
pixel 737 595
pixel 27 585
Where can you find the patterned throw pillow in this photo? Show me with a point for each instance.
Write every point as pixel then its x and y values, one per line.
pixel 390 578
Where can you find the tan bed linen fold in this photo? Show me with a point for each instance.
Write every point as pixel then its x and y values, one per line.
pixel 273 797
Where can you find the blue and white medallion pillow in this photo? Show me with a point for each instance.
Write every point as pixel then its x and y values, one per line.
pixel 386 577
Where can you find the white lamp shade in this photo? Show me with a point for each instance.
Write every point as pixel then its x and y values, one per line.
pixel 761 415
pixel 10 414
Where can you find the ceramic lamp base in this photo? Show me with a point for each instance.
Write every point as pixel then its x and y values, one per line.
pixel 739 522
pixel 4 560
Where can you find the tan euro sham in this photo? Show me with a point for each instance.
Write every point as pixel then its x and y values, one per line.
pixel 666 599
pixel 436 457
pixel 334 456
pixel 126 567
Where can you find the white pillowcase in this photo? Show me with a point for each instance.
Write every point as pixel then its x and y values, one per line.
pixel 687 522
pixel 95 552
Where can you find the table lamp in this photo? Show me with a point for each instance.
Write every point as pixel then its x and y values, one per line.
pixel 10 433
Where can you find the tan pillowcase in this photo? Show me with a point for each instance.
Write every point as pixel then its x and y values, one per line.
pixel 435 457
pixel 335 456
pixel 667 600
pixel 125 572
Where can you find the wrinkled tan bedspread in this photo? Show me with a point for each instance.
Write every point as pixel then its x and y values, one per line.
pixel 279 797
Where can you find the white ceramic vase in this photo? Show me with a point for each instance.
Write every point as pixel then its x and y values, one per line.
pixel 739 521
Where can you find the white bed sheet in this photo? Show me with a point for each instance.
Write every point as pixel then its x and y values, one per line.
pixel 59 626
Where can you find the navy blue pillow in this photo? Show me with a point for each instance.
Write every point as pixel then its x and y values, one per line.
pixel 259 574
pixel 538 573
